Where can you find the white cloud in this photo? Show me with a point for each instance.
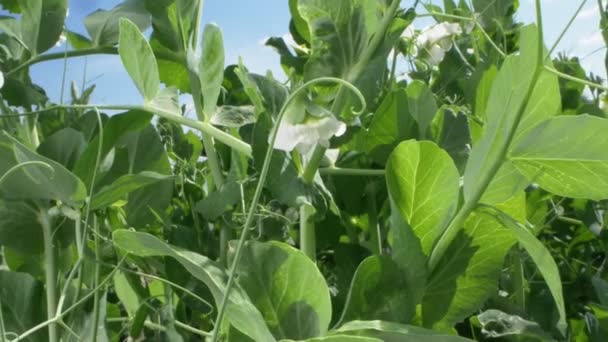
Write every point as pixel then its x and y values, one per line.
pixel 589 13
pixel 593 41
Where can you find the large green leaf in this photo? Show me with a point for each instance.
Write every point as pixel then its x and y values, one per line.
pixel 19 227
pixel 507 96
pixel 173 22
pixel 34 180
pixel 468 273
pixel 212 67
pixel 138 59
pixel 423 184
pixel 287 288
pixel 241 313
pixel 394 332
pixel 22 304
pixel 103 25
pixel 378 291
pixel 123 186
pixel 42 23
pixel 422 105
pixel 566 155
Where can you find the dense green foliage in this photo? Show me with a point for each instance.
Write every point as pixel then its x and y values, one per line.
pixel 464 200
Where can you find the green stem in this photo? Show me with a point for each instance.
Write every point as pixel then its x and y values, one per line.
pixel 50 272
pixel 575 79
pixel 56 318
pixel 337 171
pixel 313 164
pixel 107 50
pixel 457 223
pixel 258 192
pixel 97 273
pixel 154 326
pixel 308 240
pixel 225 236
pixel 203 127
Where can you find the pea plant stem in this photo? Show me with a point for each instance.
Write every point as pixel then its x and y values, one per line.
pixel 107 50
pixel 204 127
pixel 258 192
pixel 308 239
pixel 96 277
pixel 50 272
pixel 457 224
pixel 337 171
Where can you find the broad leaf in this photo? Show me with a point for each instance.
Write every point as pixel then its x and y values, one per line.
pixel 219 202
pixel 566 155
pixel 422 106
pixel 377 292
pixel 287 288
pixel 35 181
pixel 138 59
pixel 124 185
pixel 423 184
pixel 495 324
pixel 393 332
pixel 234 116
pixel 42 23
pixel 507 97
pixel 240 311
pixel 64 146
pixel 468 273
pixel 22 304
pixel 211 67
pixel 103 25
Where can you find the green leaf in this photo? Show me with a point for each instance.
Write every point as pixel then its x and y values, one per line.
pixel 391 124
pixel 78 41
pixel 567 156
pixel 138 58
pixel 377 292
pixel 65 146
pixel 120 188
pixel 422 105
pixel 234 116
pixel 103 25
pixel 507 182
pixel 114 129
pixel 219 202
pixel 173 22
pixel 19 227
pixel 455 136
pixel 394 332
pixel 543 260
pixel 167 101
pixel 507 96
pixel 423 184
pixel 211 67
pixel 468 273
pixel 42 23
pixel 240 311
pixel 126 293
pixel 22 303
pixel 287 288
pixel 35 181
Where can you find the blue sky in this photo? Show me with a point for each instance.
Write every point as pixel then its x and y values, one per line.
pixel 246 23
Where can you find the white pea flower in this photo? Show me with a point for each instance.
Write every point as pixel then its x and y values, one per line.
pixel 305 135
pixel 436 40
pixel 62 39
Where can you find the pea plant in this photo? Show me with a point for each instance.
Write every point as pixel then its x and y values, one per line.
pixel 399 184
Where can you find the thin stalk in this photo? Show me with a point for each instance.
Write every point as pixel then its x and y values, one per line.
pixel 337 171
pixel 308 240
pixel 96 276
pixel 2 327
pixel 575 79
pixel 56 318
pixel 158 327
pixel 457 223
pixel 259 188
pixel 561 35
pixel 205 128
pixel 50 272
pixel 107 50
pixel 519 279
